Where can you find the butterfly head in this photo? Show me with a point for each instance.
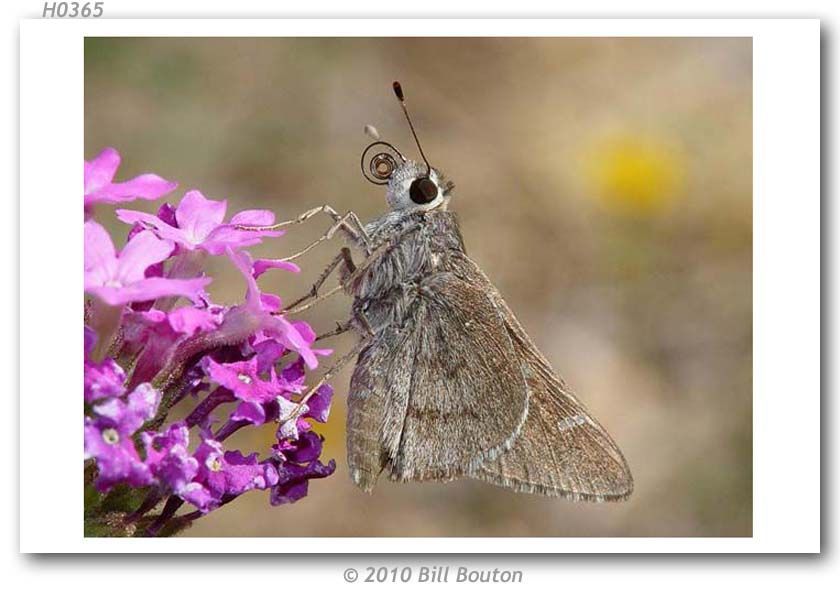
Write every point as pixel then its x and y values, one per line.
pixel 411 185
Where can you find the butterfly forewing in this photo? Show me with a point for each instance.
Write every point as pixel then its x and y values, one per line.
pixel 561 450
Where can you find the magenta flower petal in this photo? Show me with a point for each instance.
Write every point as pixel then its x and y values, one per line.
pixel 168 458
pixel 100 255
pixel 293 480
pixel 261 265
pixel 189 320
pixel 116 457
pixel 150 289
pixel 309 336
pixel 252 412
pixel 289 336
pixel 164 229
pixel 305 449
pixel 242 378
pixel 242 261
pixel 199 496
pixel 198 223
pixel 243 473
pixel 147 186
pixel 319 404
pixel 228 236
pixel 127 416
pixel 228 474
pixel 141 252
pixel 270 303
pixel 100 171
pixel 108 437
pixel 99 186
pixel 105 379
pixel 198 217
pixel 255 218
pixel 293 376
pixel 120 279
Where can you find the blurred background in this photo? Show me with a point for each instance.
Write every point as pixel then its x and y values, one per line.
pixel 604 185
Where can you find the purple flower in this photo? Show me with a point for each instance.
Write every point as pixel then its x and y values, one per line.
pixel 228 474
pixel 294 480
pixel 294 375
pixel 108 437
pixel 99 186
pixel 296 464
pixel 120 278
pixel 303 450
pixel 151 334
pixel 258 397
pixel 102 379
pixel 267 352
pixel 200 225
pixel 291 415
pixel 261 265
pixel 256 315
pixel 184 320
pixel 319 403
pixel 242 379
pixel 205 355
pixel 115 454
pixel 169 459
pixel 175 469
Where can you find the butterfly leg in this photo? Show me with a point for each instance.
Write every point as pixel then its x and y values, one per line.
pixel 336 368
pixel 339 329
pixel 313 296
pixel 376 252
pixel 349 223
pixel 341 225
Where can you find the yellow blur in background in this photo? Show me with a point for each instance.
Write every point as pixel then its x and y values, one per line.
pixel 635 174
pixel 604 185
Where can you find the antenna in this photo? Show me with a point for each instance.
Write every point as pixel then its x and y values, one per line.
pixel 399 92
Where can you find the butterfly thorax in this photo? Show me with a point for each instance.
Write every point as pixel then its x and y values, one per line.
pixel 408 247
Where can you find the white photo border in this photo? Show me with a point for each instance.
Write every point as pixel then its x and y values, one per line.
pixel 786 280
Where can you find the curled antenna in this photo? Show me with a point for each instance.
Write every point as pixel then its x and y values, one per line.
pixel 399 92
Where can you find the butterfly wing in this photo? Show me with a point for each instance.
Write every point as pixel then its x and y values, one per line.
pixel 561 450
pixel 439 394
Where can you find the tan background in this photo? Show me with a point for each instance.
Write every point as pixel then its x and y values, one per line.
pixel 603 184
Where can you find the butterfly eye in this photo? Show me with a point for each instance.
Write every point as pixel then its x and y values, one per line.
pixel 423 190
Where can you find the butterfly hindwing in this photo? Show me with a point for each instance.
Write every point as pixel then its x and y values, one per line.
pixel 438 395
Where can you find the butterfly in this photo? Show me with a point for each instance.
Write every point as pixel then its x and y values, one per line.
pixel 447 383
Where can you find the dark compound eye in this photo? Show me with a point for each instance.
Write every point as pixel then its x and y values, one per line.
pixel 423 190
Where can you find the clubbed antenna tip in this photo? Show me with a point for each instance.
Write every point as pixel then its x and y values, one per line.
pixel 399 92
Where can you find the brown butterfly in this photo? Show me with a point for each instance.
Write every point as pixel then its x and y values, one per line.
pixel 447 383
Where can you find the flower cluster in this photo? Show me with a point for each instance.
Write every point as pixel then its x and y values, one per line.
pixel 154 338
